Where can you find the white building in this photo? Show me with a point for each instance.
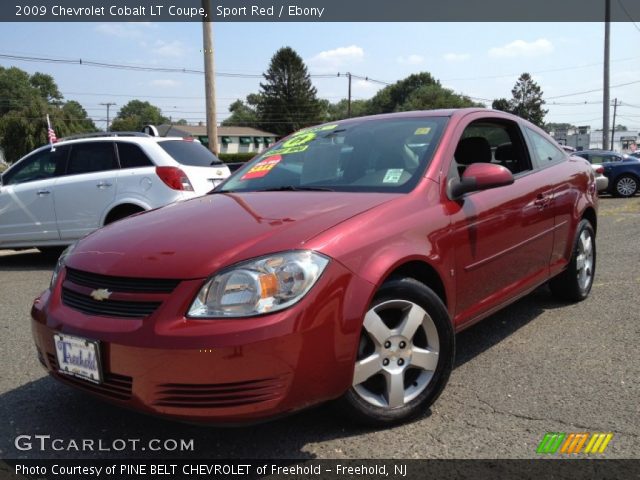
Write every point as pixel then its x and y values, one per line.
pixel 582 138
pixel 230 139
pixel 622 141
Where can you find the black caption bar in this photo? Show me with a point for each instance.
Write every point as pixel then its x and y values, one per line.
pixel 586 469
pixel 317 11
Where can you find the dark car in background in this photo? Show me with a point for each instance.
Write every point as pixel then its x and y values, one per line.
pixel 623 171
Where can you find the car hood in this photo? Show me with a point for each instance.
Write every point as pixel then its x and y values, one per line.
pixel 195 238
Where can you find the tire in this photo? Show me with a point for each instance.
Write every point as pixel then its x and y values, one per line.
pixel 625 186
pixel 405 319
pixel 51 252
pixel 120 213
pixel 574 284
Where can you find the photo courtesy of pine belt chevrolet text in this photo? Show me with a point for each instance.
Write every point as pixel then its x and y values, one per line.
pixel 336 266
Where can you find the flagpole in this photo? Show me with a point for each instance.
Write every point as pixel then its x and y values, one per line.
pixel 50 134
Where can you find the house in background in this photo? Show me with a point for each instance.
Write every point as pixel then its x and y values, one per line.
pixel 230 139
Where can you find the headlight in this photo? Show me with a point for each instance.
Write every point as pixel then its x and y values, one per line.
pixel 58 268
pixel 262 285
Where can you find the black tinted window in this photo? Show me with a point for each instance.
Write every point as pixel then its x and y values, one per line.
pixel 91 157
pixel 132 156
pixel 39 166
pixel 189 153
pixel 492 141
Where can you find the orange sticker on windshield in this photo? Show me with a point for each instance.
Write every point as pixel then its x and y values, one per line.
pixel 261 168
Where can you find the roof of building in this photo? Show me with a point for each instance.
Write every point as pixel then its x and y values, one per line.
pixel 201 130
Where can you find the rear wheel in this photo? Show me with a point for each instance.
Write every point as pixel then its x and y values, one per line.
pixel 625 186
pixel 51 252
pixel 404 357
pixel 574 284
pixel 121 212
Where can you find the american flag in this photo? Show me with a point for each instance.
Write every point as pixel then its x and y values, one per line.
pixel 50 133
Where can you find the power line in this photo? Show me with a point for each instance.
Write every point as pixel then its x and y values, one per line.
pixel 139 68
pixel 558 69
pixel 593 91
pixel 628 15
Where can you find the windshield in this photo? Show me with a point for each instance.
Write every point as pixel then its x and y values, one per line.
pixel 189 153
pixel 380 155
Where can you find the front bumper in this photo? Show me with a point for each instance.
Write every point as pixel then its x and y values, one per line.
pixel 220 371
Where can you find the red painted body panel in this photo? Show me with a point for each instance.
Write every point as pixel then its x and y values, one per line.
pixel 195 238
pixel 487 249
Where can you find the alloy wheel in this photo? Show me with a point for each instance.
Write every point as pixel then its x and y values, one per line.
pixel 626 186
pixel 584 260
pixel 398 354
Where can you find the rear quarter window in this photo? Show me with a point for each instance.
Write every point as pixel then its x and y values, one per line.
pixel 132 156
pixel 544 151
pixel 189 153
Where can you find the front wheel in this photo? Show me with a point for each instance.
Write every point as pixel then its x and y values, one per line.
pixel 574 284
pixel 625 186
pixel 404 357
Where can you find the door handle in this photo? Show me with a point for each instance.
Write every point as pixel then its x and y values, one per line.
pixel 42 192
pixel 542 201
pixel 103 184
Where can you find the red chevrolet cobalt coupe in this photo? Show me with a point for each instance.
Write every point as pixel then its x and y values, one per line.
pixel 337 265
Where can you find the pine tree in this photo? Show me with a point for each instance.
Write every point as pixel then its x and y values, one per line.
pixel 527 101
pixel 288 100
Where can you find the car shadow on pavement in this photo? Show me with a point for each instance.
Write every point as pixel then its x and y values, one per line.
pixel 26 260
pixel 44 407
pixel 492 330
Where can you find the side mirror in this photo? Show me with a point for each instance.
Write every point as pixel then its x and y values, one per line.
pixel 480 176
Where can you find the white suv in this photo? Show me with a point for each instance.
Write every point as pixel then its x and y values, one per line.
pixel 52 198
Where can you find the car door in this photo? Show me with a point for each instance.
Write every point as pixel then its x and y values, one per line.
pixel 503 236
pixel 87 188
pixel 27 214
pixel 555 166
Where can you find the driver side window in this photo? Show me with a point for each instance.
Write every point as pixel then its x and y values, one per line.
pixel 492 141
pixel 40 166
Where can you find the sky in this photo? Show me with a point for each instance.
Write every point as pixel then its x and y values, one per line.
pixel 481 60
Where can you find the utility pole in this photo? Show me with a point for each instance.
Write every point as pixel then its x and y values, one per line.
pixel 349 97
pixel 209 77
pixel 605 91
pixel 613 127
pixel 108 105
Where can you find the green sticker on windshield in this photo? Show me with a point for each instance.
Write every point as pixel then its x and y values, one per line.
pixel 288 151
pixel 299 140
pixel 322 128
pixel 393 175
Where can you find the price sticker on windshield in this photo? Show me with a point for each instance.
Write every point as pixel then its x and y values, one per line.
pixel 299 140
pixel 262 168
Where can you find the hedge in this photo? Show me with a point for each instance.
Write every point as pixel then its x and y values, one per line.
pixel 236 157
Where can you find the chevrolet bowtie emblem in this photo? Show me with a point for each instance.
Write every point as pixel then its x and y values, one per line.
pixel 100 294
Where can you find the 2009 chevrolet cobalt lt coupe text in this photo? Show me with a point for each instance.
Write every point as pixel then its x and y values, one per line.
pixel 337 265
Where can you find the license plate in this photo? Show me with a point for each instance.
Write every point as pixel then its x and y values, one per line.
pixel 78 357
pixel 215 181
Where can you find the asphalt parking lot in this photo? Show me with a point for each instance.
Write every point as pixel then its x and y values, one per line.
pixel 539 366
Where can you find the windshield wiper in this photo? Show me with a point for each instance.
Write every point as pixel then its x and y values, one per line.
pixel 294 188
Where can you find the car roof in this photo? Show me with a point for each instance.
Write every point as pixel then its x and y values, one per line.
pixel 103 138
